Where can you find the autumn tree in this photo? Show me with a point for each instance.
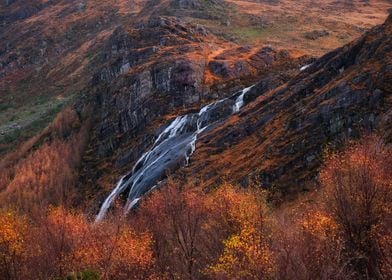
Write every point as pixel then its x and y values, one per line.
pixel 14 246
pixel 176 217
pixel 117 251
pixel 247 250
pixel 70 244
pixel 358 184
pixel 307 244
pixel 43 172
pixel 223 233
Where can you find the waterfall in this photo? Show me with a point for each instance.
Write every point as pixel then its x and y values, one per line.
pixel 304 67
pixel 240 99
pixel 171 150
pixel 109 200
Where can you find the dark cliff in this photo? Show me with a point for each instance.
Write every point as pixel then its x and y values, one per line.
pixel 279 139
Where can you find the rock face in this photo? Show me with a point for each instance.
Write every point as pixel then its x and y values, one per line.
pixel 247 60
pixel 153 71
pixel 186 4
pixel 158 67
pixel 139 70
pixel 171 150
pixel 146 79
pixel 279 139
pixel 21 12
pixel 136 67
pixel 195 4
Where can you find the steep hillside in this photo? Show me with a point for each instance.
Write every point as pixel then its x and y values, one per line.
pixel 137 65
pixel 279 139
pixel 195 139
pixel 162 68
pixel 47 48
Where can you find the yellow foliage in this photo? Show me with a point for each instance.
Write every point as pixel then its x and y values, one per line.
pixel 246 256
pixel 12 231
pixel 320 224
pixel 246 253
pixel 118 253
pixel 14 246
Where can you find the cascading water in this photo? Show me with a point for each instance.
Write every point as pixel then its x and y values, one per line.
pixel 240 100
pixel 304 67
pixel 171 150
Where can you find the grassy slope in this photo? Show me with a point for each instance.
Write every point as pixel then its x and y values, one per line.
pixel 30 99
pixel 283 23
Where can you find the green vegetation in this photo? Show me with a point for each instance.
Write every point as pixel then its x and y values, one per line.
pixel 21 123
pixel 249 32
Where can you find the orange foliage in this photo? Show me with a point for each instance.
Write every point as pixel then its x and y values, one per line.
pixel 177 220
pixel 308 245
pixel 13 245
pixel 181 232
pixel 43 177
pixel 117 252
pixel 247 253
pixel 196 233
pixel 64 243
pixel 358 185
pixel 47 176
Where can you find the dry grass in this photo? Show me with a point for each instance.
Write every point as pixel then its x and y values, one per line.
pixel 282 24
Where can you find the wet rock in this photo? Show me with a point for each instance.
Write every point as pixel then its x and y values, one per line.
pixel 283 133
pixel 133 99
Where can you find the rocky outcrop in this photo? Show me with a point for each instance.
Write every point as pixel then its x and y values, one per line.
pixel 155 70
pixel 148 73
pixel 279 139
pixel 158 68
pixel 195 4
pixel 246 62
pixel 15 13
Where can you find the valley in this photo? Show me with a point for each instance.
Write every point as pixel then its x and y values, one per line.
pixel 195 139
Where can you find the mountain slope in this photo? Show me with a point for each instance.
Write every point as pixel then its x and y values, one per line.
pixel 152 72
pixel 279 139
pixel 137 67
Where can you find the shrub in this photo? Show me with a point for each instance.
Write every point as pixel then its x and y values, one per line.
pixel 358 185
pixel 47 175
pixel 222 234
pixel 307 244
pixel 13 245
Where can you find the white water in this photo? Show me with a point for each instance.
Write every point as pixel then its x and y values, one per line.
pixel 171 150
pixel 240 99
pixel 304 67
pixel 109 200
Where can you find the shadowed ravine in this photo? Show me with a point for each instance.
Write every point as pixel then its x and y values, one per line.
pixel 171 150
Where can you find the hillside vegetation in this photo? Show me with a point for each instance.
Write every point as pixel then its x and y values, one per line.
pixel 195 139
pixel 181 232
